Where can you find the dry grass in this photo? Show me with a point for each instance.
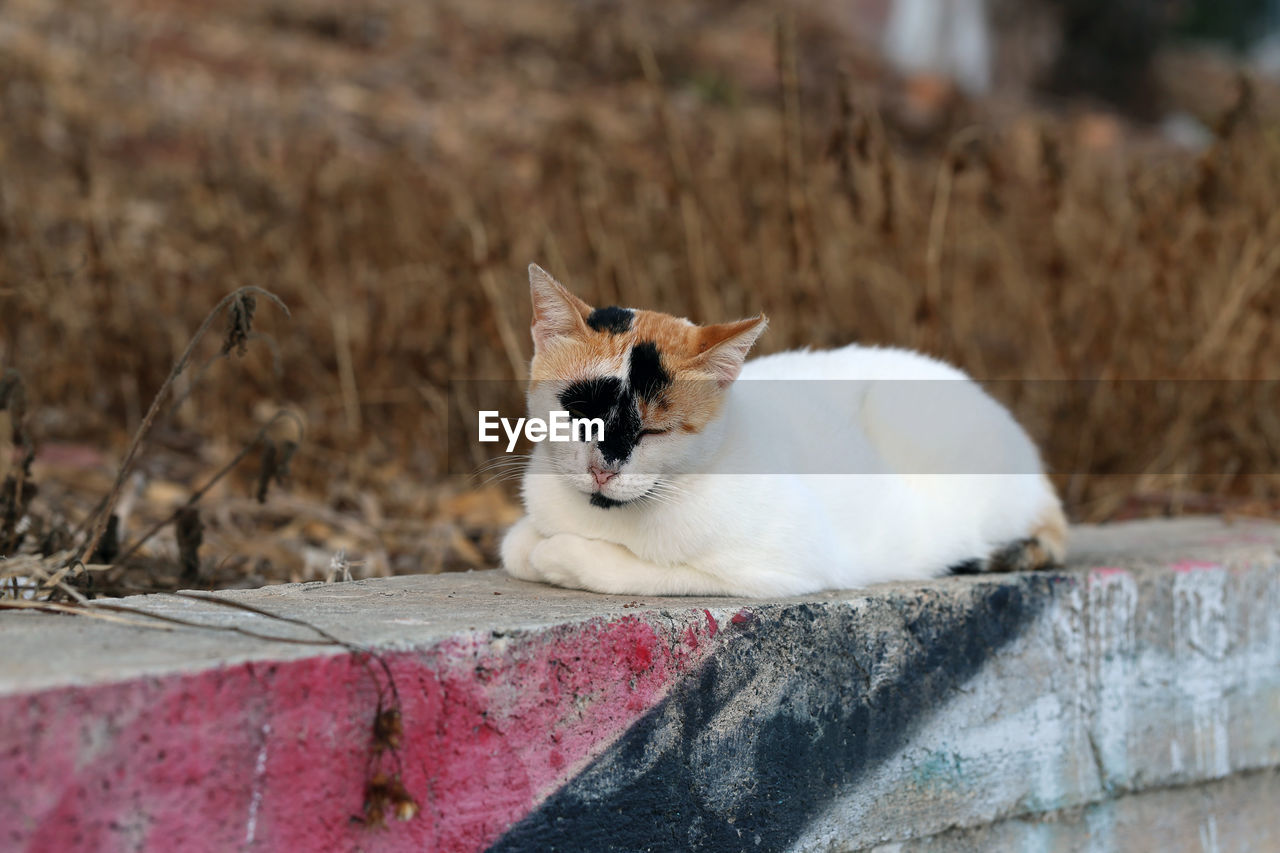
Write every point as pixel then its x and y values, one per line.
pixel 389 171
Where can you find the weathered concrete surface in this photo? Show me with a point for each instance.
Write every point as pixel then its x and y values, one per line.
pixel 1235 813
pixel 1065 709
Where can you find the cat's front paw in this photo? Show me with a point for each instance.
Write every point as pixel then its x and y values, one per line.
pixel 564 560
pixel 518 546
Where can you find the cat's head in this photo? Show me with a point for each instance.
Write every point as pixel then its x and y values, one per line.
pixel 658 382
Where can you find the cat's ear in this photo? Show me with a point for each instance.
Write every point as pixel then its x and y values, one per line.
pixel 556 311
pixel 722 348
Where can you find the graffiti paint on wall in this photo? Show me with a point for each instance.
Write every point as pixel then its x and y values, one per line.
pixel 832 724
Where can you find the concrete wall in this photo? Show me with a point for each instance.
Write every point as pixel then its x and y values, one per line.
pixel 1130 702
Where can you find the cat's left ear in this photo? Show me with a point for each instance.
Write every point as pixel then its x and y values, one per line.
pixel 723 348
pixel 556 311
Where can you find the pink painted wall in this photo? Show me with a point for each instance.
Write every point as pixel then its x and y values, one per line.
pixel 276 756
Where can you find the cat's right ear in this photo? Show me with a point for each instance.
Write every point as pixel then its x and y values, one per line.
pixel 722 348
pixel 557 313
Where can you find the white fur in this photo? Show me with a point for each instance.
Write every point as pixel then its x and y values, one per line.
pixel 945 475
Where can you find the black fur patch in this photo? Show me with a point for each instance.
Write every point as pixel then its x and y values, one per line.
pixel 1020 555
pixel 622 431
pixel 608 398
pixel 648 377
pixel 601 501
pixel 967 567
pixel 1016 556
pixel 592 398
pixel 613 319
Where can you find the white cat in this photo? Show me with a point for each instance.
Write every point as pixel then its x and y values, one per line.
pixel 717 477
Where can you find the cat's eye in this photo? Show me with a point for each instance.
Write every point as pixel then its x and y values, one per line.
pixel 645 432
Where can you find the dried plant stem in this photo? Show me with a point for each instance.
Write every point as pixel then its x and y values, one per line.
pixel 850 137
pixel 120 613
pixel 346 370
pixel 506 332
pixel 792 153
pixel 212 481
pixel 188 623
pixel 35 567
pixel 497 304
pixel 249 608
pixel 326 638
pixel 276 368
pixel 938 216
pixel 1249 280
pixel 691 205
pixel 100 521
pixel 77 610
pixel 937 232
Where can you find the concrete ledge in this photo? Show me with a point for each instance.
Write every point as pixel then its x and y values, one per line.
pixel 1235 813
pixel 1078 710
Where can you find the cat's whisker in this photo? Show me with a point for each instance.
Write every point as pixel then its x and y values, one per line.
pixel 500 461
pixel 665 494
pixel 671 487
pixel 495 480
pixel 504 466
pixel 500 477
pixel 670 491
pixel 661 491
pixel 495 468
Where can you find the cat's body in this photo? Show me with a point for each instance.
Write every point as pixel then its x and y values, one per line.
pixel 893 466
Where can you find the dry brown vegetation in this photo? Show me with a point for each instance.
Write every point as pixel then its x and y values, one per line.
pixel 389 170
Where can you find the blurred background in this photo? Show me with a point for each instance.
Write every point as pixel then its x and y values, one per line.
pixel 1037 190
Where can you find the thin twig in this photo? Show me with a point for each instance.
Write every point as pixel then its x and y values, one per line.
pixel 100 522
pixel 489 286
pixel 74 609
pixel 277 367
pixel 327 638
pixel 234 629
pixel 203 490
pixel 792 155
pixel 692 202
pixel 938 217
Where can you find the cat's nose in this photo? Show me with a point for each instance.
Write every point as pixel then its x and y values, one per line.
pixel 602 475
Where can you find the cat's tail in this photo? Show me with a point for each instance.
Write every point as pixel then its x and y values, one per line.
pixel 1045 547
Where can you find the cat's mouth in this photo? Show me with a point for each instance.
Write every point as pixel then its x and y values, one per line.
pixel 599 499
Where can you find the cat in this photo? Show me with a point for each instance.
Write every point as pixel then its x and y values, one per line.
pixel 719 476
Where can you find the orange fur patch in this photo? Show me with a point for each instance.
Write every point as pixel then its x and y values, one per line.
pixel 694 398
pixel 1044 548
pixel 1051 534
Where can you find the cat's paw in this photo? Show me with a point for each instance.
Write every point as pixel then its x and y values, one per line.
pixel 564 560
pixel 518 546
